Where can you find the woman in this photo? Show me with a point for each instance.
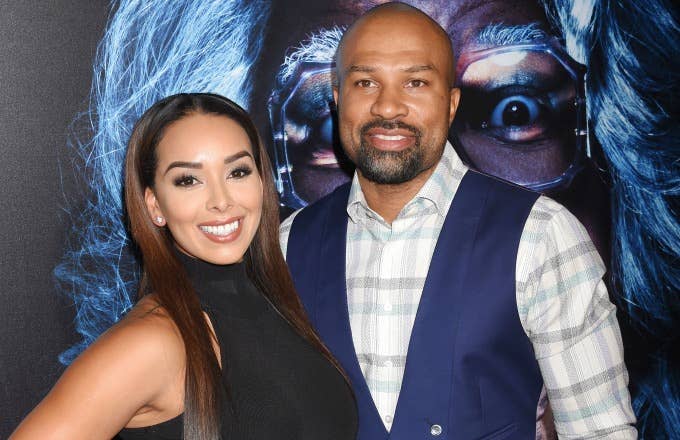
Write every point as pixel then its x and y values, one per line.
pixel 218 345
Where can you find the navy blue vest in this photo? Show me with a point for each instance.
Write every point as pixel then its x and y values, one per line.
pixel 470 370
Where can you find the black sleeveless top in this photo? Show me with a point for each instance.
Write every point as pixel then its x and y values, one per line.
pixel 280 387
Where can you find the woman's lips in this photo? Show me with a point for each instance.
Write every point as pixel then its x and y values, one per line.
pixel 222 231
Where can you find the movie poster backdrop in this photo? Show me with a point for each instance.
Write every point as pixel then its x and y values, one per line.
pixel 522 118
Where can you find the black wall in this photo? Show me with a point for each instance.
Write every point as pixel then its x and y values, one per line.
pixel 46 48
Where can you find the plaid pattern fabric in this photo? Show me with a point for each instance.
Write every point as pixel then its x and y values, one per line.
pixel 565 310
pixel 561 300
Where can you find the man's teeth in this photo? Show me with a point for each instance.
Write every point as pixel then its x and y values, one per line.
pixel 390 138
pixel 221 230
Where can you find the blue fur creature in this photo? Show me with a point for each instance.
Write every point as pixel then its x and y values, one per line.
pixel 150 50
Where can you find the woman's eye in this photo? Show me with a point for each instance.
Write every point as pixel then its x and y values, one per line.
pixel 240 173
pixel 185 181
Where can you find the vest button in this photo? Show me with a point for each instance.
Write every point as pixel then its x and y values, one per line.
pixel 435 430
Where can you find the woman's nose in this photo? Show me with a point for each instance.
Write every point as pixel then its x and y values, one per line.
pixel 220 198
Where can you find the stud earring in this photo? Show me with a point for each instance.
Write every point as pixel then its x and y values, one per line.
pixel 160 221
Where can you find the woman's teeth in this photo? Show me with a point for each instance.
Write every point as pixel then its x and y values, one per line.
pixel 221 230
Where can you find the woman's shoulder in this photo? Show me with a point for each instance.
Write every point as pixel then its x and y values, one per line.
pixel 150 321
pixel 145 341
pixel 144 350
pixel 134 368
pixel 145 332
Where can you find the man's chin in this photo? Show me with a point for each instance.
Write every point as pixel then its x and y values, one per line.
pixel 388 167
pixel 388 172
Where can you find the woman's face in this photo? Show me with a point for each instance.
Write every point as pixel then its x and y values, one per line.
pixel 207 189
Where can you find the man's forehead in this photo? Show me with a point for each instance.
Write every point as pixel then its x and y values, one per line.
pixel 405 59
pixel 409 37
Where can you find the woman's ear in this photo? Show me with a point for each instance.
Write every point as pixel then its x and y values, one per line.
pixel 153 208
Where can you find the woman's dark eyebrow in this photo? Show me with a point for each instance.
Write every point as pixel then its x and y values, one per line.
pixel 180 164
pixel 197 165
pixel 236 156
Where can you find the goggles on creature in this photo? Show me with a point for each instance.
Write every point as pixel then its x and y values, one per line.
pixel 521 118
pixel 302 127
pixel 522 114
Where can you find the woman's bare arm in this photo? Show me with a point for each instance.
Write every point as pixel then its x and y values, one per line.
pixel 133 375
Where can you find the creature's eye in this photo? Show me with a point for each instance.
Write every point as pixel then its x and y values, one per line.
pixel 516 111
pixel 511 114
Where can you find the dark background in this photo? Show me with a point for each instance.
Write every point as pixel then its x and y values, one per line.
pixel 46 49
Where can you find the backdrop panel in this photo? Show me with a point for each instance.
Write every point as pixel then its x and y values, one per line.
pixel 522 118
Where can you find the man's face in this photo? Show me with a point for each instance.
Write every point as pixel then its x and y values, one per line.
pixel 394 96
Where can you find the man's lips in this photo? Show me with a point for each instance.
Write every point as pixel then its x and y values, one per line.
pixel 390 139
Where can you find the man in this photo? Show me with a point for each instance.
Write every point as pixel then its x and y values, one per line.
pixel 450 298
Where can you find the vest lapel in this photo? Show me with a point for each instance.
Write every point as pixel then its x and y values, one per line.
pixel 424 399
pixel 332 316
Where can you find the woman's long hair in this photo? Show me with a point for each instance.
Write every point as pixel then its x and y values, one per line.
pixel 164 275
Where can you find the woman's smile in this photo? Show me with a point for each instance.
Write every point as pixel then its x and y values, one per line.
pixel 222 231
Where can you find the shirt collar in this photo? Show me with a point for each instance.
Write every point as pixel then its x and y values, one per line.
pixel 439 190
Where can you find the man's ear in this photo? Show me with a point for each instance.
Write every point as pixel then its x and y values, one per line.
pixel 335 83
pixel 335 95
pixel 153 208
pixel 455 99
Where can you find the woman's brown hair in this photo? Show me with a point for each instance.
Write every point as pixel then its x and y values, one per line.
pixel 164 275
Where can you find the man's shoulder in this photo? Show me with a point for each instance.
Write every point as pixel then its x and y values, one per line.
pixel 340 193
pixel 314 210
pixel 497 193
pixel 317 207
pixel 500 184
pixel 545 215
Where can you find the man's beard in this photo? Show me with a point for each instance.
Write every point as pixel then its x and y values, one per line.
pixel 389 167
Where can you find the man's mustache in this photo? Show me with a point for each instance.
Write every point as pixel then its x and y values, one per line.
pixel 389 125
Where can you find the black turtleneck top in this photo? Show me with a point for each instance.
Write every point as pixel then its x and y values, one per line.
pixel 280 387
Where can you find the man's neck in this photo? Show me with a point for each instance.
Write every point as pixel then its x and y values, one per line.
pixel 388 200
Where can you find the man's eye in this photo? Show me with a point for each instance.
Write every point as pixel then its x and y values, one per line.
pixel 185 180
pixel 415 83
pixel 364 83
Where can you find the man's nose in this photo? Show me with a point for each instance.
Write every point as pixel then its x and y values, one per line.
pixel 389 103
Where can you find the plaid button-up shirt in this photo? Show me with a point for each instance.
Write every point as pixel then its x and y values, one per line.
pixel 561 300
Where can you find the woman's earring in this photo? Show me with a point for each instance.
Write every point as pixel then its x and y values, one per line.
pixel 160 221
